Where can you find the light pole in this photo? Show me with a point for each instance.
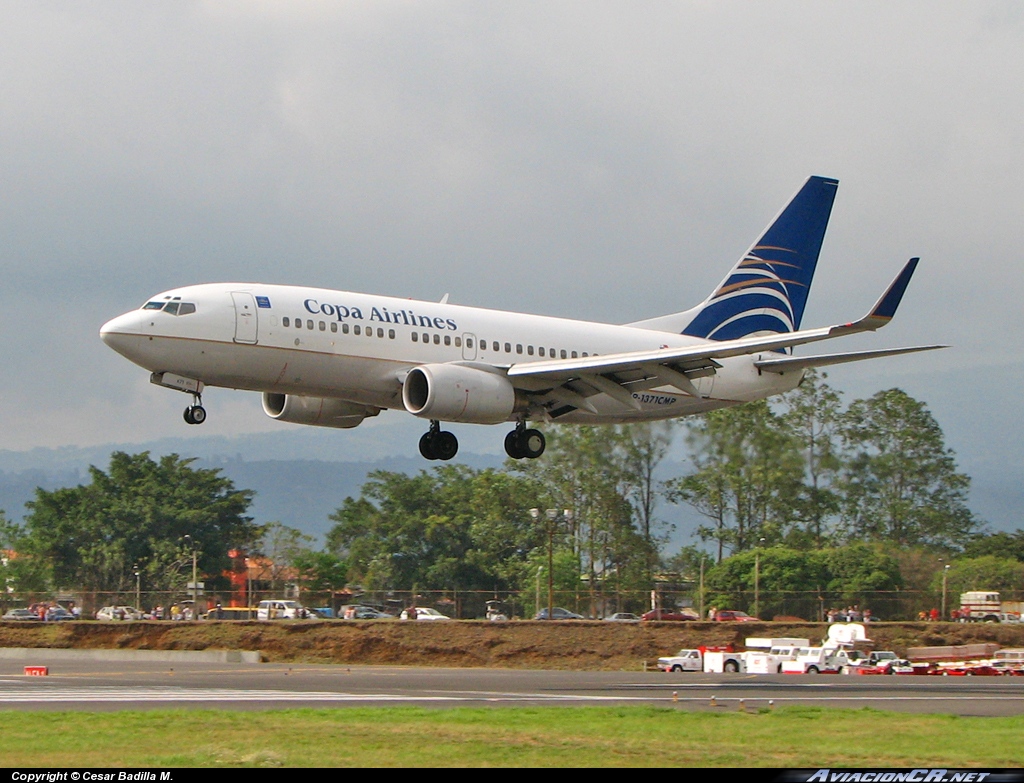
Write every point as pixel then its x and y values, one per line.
pixel 540 569
pixel 945 574
pixel 552 514
pixel 138 587
pixel 757 579
pixel 190 542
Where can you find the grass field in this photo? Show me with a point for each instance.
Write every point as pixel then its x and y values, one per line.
pixel 530 737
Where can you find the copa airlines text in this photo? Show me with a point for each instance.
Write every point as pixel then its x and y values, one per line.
pixel 333 358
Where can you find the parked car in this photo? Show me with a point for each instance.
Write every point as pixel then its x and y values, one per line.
pixel 118 613
pixel 731 615
pixel 424 613
pixel 282 610
pixel 20 614
pixel 361 612
pixel 58 614
pixel 623 617
pixel 677 615
pixel 557 613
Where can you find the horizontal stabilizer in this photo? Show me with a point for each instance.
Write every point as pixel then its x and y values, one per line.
pixel 791 363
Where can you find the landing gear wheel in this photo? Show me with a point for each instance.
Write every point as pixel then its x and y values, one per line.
pixel 198 414
pixel 427 445
pixel 438 444
pixel 532 443
pixel 512 445
pixel 446 445
pixel 522 443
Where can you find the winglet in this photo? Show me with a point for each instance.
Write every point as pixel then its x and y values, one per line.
pixel 885 307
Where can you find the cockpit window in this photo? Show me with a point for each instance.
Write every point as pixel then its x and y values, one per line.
pixel 172 308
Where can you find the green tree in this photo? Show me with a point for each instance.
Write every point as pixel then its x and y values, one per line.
pixel 137 513
pixel 900 482
pixel 450 527
pixel 1000 544
pixel 747 478
pixel 813 413
pixel 988 572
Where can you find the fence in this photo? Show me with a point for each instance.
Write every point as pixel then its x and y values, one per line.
pixel 805 605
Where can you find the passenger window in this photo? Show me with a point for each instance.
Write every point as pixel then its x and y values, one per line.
pixel 369 331
pixel 529 350
pixel 519 348
pixel 458 342
pixel 574 356
pixel 562 353
pixel 391 334
pixel 447 339
pixel 344 328
pixel 496 346
pixel 540 351
pixel 309 325
pixel 380 332
pixel 298 323
pixel 323 327
pixel 508 347
pixel 286 321
pixel 415 337
pixel 355 329
pixel 437 339
pixel 469 342
pixel 426 337
pixel 334 326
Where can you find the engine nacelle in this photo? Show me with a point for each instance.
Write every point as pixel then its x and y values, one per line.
pixel 317 411
pixel 455 392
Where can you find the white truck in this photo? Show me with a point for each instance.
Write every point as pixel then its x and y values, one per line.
pixel 683 661
pixel 984 606
pixel 762 656
pixel 833 656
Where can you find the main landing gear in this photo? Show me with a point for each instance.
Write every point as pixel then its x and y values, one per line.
pixel 522 443
pixel 195 413
pixel 438 444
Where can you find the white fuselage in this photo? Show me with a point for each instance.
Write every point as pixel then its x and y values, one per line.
pixel 315 342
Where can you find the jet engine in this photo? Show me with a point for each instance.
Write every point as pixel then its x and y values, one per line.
pixel 455 392
pixel 318 411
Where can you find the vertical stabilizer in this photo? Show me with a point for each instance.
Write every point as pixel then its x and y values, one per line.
pixel 766 291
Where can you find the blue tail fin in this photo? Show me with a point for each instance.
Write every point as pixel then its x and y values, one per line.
pixel 767 289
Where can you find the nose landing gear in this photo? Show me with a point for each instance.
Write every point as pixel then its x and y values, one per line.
pixel 195 413
pixel 522 443
pixel 438 444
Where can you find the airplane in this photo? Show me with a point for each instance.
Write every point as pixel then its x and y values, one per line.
pixel 334 358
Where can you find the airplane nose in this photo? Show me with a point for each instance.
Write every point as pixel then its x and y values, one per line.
pixel 110 331
pixel 124 334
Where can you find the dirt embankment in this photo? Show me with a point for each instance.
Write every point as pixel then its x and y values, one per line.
pixel 523 645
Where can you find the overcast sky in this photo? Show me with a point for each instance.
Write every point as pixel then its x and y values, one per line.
pixel 607 161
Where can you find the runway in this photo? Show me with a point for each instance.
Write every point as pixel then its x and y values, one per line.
pixel 101 686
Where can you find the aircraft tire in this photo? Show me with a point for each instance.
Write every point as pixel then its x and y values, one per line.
pixel 512 447
pixel 187 416
pixel 198 414
pixel 445 445
pixel 427 446
pixel 532 443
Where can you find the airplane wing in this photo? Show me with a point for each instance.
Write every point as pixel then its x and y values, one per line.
pixel 573 380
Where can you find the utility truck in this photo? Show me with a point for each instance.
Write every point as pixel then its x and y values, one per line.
pixel 984 606
pixel 833 656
